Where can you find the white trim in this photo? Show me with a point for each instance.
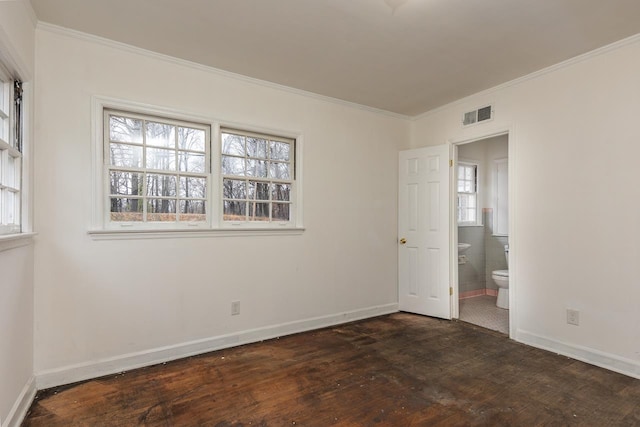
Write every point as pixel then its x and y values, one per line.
pixel 584 354
pixel 192 233
pixel 12 241
pixel 21 406
pixel 97 368
pixel 532 76
pixel 45 26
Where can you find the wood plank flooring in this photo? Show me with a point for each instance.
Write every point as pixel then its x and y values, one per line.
pixel 396 370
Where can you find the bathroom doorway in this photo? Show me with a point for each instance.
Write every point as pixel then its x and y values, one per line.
pixel 482 215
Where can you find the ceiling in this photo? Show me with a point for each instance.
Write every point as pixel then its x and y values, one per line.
pixel 402 56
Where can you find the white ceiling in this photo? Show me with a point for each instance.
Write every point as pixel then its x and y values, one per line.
pixel 421 55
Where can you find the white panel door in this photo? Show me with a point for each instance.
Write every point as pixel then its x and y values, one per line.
pixel 423 232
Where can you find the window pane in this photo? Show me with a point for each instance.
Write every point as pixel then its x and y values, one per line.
pixel 280 212
pixel 161 135
pixel 234 189
pixel 279 170
pixel 161 185
pixel 233 144
pixel 190 162
pixel 258 190
pixel 125 209
pixel 193 187
pixel 257 168
pixel 232 166
pixel 161 210
pixel 191 139
pixel 11 172
pixel 234 211
pixel 161 159
pixel 258 211
pixel 280 150
pixel 126 183
pixel 281 192
pixel 11 207
pixel 128 156
pixel 124 129
pixel 192 210
pixel 257 148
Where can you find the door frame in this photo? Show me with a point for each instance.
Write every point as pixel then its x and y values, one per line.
pixel 455 142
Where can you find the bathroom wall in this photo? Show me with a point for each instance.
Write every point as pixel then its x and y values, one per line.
pixel 471 274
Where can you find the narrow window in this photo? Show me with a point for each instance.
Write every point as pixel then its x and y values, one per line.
pixel 10 153
pixel 467 193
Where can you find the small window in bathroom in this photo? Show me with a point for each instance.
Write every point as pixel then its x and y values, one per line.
pixel 467 193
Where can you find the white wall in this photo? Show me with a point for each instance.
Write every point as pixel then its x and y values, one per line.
pixel 103 300
pixel 574 234
pixel 16 259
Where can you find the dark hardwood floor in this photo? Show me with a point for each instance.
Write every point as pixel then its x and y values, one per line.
pixel 396 370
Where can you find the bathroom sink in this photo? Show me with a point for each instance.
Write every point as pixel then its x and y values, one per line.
pixel 462 247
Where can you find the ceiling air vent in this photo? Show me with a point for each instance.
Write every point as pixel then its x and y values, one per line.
pixel 476 116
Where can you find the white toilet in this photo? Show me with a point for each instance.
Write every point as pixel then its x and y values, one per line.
pixel 501 278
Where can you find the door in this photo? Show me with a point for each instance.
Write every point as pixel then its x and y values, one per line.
pixel 423 232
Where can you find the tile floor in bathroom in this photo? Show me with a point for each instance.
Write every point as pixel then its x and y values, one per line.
pixel 482 311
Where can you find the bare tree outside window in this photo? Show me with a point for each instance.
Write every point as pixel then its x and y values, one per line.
pixel 257 175
pixel 157 170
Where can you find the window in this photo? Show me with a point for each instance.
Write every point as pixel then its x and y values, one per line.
pixel 257 175
pixel 166 173
pixel 10 153
pixel 467 193
pixel 157 169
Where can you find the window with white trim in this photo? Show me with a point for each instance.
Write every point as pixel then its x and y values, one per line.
pixel 163 173
pixel 10 153
pixel 467 193
pixel 157 170
pixel 258 174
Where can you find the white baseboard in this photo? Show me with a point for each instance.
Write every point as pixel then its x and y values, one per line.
pixel 22 404
pixel 98 368
pixel 584 354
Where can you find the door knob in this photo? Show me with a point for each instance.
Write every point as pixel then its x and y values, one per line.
pixel 403 241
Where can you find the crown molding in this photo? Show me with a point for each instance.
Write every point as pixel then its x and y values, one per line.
pixel 45 26
pixel 536 74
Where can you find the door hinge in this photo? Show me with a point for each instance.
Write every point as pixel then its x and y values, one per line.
pixel 450 290
pixel 450 163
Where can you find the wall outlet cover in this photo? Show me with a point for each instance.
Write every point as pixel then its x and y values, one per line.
pixel 573 317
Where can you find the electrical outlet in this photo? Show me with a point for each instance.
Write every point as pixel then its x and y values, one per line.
pixel 235 308
pixel 573 317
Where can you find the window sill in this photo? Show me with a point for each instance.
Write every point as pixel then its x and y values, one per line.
pixel 178 234
pixel 12 241
pixel 470 225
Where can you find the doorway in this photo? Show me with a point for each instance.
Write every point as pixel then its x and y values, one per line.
pixel 481 225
